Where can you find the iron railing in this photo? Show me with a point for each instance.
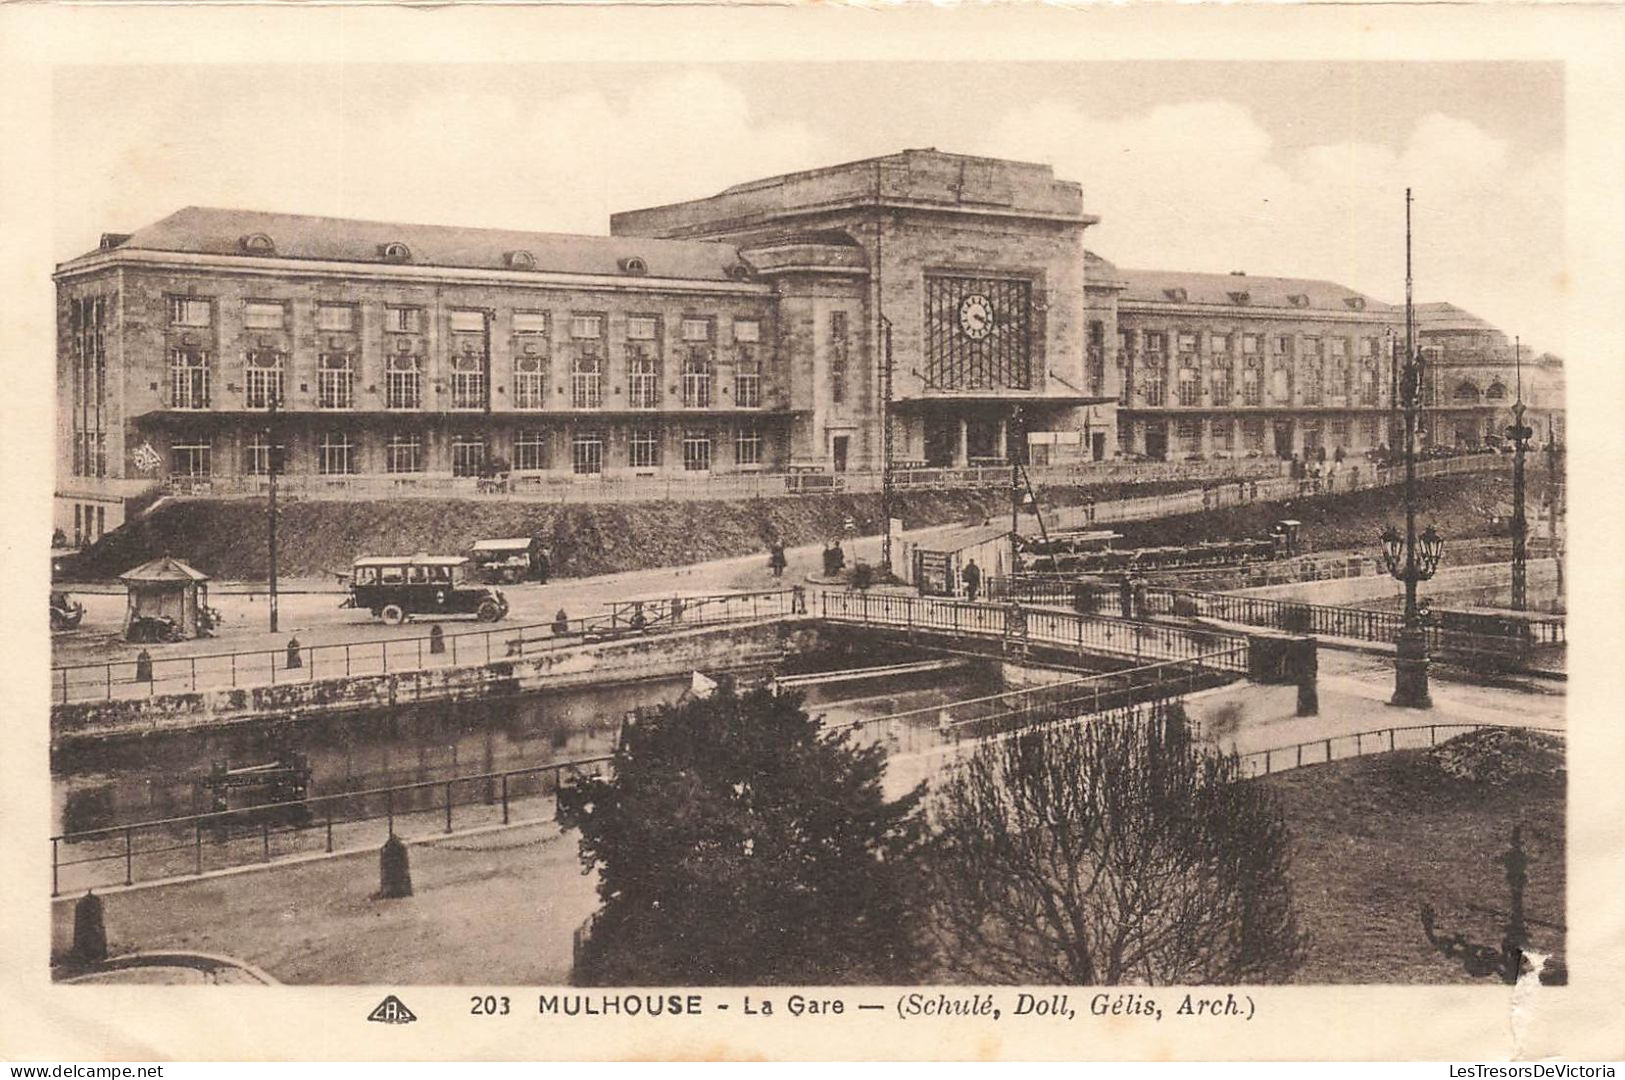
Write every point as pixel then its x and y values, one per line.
pixel 1084 633
pixel 1377 740
pixel 386 656
pixel 195 844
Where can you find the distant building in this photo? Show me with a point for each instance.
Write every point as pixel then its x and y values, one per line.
pixel 738 333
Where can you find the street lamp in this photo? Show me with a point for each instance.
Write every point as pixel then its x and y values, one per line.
pixel 1408 557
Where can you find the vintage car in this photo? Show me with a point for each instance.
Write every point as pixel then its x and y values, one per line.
pixel 510 561
pixel 66 612
pixel 397 587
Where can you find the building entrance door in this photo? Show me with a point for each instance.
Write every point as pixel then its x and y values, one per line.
pixel 1156 440
pixel 1097 445
pixel 838 450
pixel 941 438
pixel 1283 439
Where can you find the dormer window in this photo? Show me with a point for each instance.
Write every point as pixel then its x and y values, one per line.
pixel 738 272
pixel 521 260
pixel 395 251
pixel 634 266
pixel 1177 295
pixel 1355 302
pixel 1298 299
pixel 257 244
pixel 1240 298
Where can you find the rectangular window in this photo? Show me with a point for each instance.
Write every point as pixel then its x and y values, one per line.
pixel 1156 342
pixel 1249 344
pixel 587 379
pixel 335 454
pixel 403 453
pixel 642 328
pixel 747 331
pixel 335 381
pixel 468 322
pixel 1252 387
pixel 336 318
pixel 1155 385
pixel 264 315
pixel 1368 386
pixel 1312 382
pixel 257 455
pixel 586 327
pixel 643 449
pixel 748 384
pixel 530 322
pixel 1187 342
pixel 696 330
pixel 186 311
pixel 587 455
pixel 1224 435
pixel 191 459
pixel 1125 340
pixel 468 381
pixel 1223 386
pixel 1189 433
pixel 529 382
pixel 188 379
pixel 403 320
pixel 1252 434
pixel 1218 343
pixel 403 383
pixel 1311 348
pixel 748 446
pixel 1368 347
pixel 642 377
pixel 697 379
pixel 530 450
pixel 467 455
pixel 1283 346
pixel 1339 347
pixel 1190 389
pixel 837 356
pixel 1371 430
pixel 696 452
pixel 1340 432
pixel 262 380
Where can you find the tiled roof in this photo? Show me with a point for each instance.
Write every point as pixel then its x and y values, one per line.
pixel 1230 290
pixel 163 568
pixel 208 231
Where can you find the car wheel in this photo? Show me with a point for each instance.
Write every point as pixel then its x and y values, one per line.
pixel 394 614
pixel 489 611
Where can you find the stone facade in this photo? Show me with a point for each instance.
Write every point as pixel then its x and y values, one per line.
pixel 745 331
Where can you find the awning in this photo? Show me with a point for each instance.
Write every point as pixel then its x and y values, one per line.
pixel 511 544
pixel 410 560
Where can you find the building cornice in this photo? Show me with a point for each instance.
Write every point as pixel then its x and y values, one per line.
pixel 1249 311
pixel 419 275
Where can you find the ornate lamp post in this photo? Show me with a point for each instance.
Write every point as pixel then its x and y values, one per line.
pixel 1408 557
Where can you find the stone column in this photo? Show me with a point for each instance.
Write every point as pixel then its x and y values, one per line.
pixel 1004 438
pixel 962 446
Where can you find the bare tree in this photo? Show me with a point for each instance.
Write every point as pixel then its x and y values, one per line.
pixel 1112 851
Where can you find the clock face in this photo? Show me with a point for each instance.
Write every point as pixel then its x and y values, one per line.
pixel 976 316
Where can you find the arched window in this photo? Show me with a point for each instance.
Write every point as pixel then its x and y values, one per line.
pixel 257 244
pixel 395 251
pixel 521 260
pixel 1497 392
pixel 1466 393
pixel 634 266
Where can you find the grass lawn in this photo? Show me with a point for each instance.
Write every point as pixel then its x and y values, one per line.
pixel 1376 837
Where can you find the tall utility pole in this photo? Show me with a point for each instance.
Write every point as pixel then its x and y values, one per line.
pixel 1554 499
pixel 1520 435
pixel 272 466
pixel 1014 440
pixel 885 445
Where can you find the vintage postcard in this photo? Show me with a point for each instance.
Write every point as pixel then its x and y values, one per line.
pixel 627 533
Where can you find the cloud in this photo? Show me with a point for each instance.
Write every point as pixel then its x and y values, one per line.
pixel 1200 185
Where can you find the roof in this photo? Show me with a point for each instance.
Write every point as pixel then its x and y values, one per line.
pixel 969 536
pixel 1236 289
pixel 1447 316
pixel 410 560
pixel 163 568
pixel 516 543
pixel 204 230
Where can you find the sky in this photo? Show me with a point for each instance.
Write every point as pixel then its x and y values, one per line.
pixel 1278 168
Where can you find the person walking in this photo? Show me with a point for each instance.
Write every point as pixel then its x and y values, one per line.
pixel 776 561
pixel 972 575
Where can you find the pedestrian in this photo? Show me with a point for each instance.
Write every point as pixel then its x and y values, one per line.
pixel 561 623
pixel 973 580
pixel 776 561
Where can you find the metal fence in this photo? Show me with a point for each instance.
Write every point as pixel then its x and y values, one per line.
pixel 421 652
pixel 1377 740
pixel 934 727
pixel 200 843
pixel 1084 633
pixel 565 488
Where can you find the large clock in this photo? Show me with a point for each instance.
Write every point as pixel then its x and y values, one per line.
pixel 976 316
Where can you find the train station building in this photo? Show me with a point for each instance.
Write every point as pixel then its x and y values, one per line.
pixel 768 328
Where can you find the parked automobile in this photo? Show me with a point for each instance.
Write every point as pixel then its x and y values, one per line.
pixel 397 587
pixel 510 561
pixel 66 612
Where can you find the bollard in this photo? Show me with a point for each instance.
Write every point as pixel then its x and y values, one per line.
pixel 89 930
pixel 394 870
pixel 437 640
pixel 1305 668
pixel 143 666
pixel 294 659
